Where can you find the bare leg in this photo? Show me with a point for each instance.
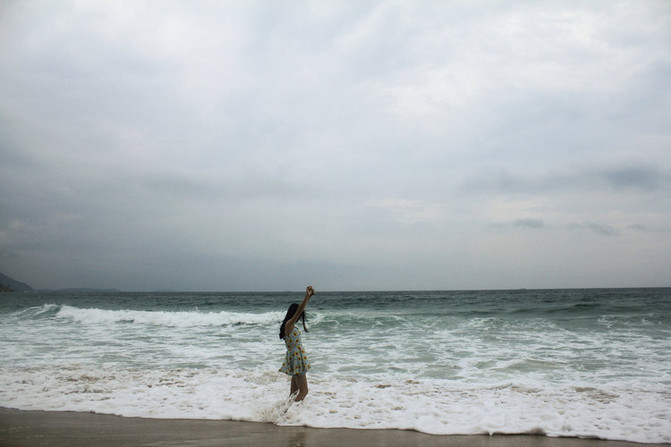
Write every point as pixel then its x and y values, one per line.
pixel 294 386
pixel 302 382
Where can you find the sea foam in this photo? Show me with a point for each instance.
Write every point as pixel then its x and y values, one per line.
pixel 429 406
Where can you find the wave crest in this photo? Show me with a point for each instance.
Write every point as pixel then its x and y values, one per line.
pixel 169 319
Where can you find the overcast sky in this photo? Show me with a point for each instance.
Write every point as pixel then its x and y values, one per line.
pixel 363 145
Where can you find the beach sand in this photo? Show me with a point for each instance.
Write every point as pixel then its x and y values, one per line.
pixel 42 428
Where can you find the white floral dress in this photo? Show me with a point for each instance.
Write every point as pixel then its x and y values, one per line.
pixel 296 360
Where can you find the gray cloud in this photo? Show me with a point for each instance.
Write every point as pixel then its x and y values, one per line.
pixel 603 229
pixel 638 177
pixel 615 178
pixel 216 146
pixel 529 223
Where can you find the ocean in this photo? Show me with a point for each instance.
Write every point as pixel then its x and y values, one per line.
pixel 579 363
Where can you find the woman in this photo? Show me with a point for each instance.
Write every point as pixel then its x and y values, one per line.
pixel 296 362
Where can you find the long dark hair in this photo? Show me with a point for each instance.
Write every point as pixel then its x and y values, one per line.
pixel 290 313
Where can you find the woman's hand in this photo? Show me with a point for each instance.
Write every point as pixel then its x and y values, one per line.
pixel 309 291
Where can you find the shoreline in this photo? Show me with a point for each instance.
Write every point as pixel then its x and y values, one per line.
pixel 19 428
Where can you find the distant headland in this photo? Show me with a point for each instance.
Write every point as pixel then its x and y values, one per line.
pixel 8 284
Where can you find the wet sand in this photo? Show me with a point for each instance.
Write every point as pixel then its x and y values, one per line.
pixel 69 429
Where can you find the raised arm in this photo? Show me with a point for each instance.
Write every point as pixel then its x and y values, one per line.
pixel 288 327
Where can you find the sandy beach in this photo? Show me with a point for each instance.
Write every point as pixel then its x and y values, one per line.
pixel 42 428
